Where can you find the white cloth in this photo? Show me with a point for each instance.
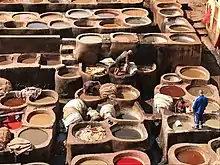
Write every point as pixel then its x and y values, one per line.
pixel 107 110
pixel 71 119
pixel 162 101
pixel 77 104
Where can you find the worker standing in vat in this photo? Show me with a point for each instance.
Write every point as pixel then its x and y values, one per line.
pixel 199 106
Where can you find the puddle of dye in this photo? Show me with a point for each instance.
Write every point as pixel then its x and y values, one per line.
pixel 184 126
pixel 127 133
pixel 125 38
pixel 136 21
pixel 213 123
pixel 35 136
pixel 44 99
pixel 172 91
pixel 193 73
pixel 93 162
pixel 24 17
pixel 110 25
pixel 126 95
pixel 28 60
pixel 190 157
pixel 12 125
pixel 126 116
pixel 79 14
pixel 69 74
pixel 60 24
pixel 14 102
pixel 107 15
pixel 88 97
pixel 194 90
pixel 41 119
pixel 37 25
pixel 133 12
pixel 128 161
pixel 91 39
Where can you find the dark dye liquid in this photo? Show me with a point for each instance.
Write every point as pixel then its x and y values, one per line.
pixel 190 157
pixel 28 60
pixel 127 133
pixel 14 102
pixel 126 116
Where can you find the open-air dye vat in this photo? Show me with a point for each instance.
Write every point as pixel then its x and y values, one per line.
pixel 173 91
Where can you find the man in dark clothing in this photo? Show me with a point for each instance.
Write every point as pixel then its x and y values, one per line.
pixel 199 106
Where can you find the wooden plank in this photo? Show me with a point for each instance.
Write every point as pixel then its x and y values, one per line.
pixel 30 43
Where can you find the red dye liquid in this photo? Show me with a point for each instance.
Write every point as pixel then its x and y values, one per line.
pixel 128 161
pixel 12 124
pixel 172 91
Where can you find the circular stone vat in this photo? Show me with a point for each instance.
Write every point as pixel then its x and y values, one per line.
pixel 40 118
pixel 106 13
pixel 110 23
pixel 212 121
pixel 191 155
pixel 125 37
pixel 171 12
pixel 135 12
pixel 126 132
pixel 5 60
pixel 186 122
pixel 37 25
pixel 127 93
pixel 194 90
pixel 184 38
pixel 47 97
pixel 214 145
pixel 155 38
pixel 59 24
pixel 91 161
pixel 27 58
pixel 176 20
pixel 13 24
pixel 173 91
pixel 90 38
pixel 170 78
pixel 34 135
pixel 137 21
pixel 194 72
pixel 212 107
pixel 68 73
pixel 78 13
pixel 83 24
pixel 169 5
pixel 180 28
pixel 25 16
pixel 10 100
pixel 51 16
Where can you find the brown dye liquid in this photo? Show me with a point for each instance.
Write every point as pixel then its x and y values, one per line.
pixel 126 116
pixel 172 91
pixel 28 60
pixel 24 17
pixel 135 21
pixel 6 62
pixel 37 25
pixel 125 38
pixel 127 133
pixel 133 12
pixel 110 25
pixel 14 102
pixel 82 1
pixel 190 157
pixel 60 25
pixel 126 95
pixel 69 74
pixel 53 62
pixel 88 97
pixel 213 123
pixel 93 162
pixel 106 15
pixel 91 39
pixel 194 90
pixel 185 126
pixel 35 136
pixel 193 73
pixel 44 99
pixel 51 17
pixel 41 119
